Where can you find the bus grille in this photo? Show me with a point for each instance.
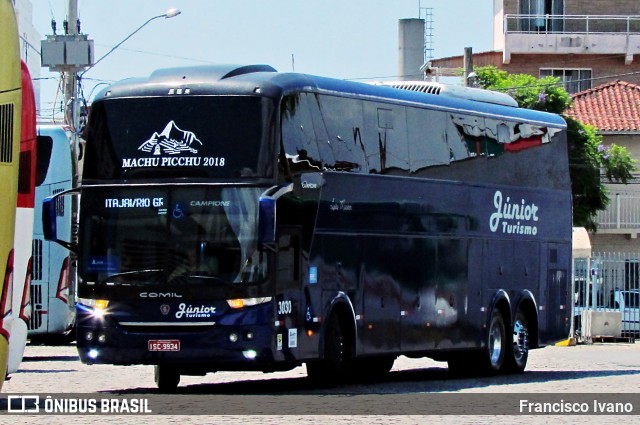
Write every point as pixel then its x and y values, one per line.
pixel 36 253
pixel 36 306
pixel 142 329
pixel 6 133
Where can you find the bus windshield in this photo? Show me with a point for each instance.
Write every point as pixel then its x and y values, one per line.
pixel 172 137
pixel 171 235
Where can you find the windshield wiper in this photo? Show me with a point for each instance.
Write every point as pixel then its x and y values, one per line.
pixel 126 278
pixel 187 276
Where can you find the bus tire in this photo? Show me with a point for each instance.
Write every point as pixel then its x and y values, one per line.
pixel 494 353
pixel 167 377
pixel 518 352
pixel 336 362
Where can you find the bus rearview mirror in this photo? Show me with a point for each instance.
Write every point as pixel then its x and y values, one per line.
pixel 50 224
pixel 267 221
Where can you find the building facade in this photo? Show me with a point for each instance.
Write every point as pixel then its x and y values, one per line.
pixel 583 42
pixel 614 109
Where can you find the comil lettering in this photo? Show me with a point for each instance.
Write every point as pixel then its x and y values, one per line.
pixel 514 218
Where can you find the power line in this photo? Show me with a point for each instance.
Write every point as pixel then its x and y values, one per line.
pixel 147 52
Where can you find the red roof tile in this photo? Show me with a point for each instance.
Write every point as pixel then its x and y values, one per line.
pixel 613 106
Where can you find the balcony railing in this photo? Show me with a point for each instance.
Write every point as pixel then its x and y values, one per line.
pixel 571 34
pixel 622 215
pixel 572 24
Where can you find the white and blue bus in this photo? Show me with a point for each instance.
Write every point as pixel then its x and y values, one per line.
pixel 52 303
pixel 237 218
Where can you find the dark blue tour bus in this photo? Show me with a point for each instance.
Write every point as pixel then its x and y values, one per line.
pixel 237 218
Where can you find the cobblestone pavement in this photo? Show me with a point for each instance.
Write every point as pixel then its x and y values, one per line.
pixel 596 368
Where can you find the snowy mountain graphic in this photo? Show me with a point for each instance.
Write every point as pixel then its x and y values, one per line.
pixel 172 140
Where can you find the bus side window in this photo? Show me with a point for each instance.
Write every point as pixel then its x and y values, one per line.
pixel 385 137
pixel 426 134
pixel 343 121
pixel 320 130
pixel 299 140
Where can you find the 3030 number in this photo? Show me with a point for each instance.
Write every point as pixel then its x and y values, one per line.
pixel 284 307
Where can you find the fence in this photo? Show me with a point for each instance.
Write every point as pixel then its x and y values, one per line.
pixel 572 24
pixel 608 282
pixel 623 212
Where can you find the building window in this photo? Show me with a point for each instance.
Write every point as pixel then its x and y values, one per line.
pixel 574 80
pixel 552 22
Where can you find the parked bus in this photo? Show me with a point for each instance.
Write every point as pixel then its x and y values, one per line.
pixel 21 305
pixel 10 106
pixel 237 218
pixel 52 302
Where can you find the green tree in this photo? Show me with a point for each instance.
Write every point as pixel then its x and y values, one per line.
pixel 587 154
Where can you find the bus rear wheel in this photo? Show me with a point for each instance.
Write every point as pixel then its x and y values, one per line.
pixel 336 362
pixel 493 355
pixel 167 377
pixel 518 352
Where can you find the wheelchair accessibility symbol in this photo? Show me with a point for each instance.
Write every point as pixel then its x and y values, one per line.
pixel 179 210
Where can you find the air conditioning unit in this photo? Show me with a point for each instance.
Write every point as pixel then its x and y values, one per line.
pixel 601 323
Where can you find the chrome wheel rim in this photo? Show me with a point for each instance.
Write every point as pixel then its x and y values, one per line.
pixel 520 340
pixel 495 344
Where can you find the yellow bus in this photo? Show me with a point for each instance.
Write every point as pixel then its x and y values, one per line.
pixel 10 108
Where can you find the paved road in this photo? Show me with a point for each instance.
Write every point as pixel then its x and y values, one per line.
pixel 597 368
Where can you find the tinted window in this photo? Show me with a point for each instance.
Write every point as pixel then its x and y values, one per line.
pixel 301 147
pixel 343 120
pixel 43 155
pixel 163 235
pixel 169 137
pixel 427 145
pixel 385 137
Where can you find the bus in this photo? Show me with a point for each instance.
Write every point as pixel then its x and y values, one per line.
pixel 239 218
pixel 52 302
pixel 21 305
pixel 10 107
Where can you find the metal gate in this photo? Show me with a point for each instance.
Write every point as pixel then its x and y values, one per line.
pixel 608 281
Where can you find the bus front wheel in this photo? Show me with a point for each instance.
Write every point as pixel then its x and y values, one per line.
pixel 167 378
pixel 335 364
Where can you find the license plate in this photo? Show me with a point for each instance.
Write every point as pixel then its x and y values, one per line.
pixel 164 345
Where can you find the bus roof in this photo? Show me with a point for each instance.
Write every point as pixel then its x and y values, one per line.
pixel 263 80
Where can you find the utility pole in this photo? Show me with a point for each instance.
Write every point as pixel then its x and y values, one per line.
pixel 71 76
pixel 69 53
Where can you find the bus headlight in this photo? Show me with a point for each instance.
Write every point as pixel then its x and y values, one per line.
pixel 247 302
pixel 98 308
pixel 250 354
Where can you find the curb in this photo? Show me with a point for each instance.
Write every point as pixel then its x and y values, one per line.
pixel 570 342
